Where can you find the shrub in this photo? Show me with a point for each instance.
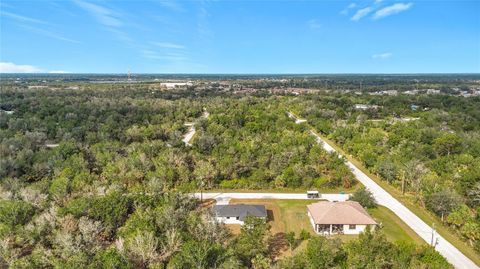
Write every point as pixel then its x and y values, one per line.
pixel 112 209
pixel 110 259
pixel 365 198
pixel 304 235
pixel 14 213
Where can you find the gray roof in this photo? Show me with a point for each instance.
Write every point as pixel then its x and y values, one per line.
pixel 241 211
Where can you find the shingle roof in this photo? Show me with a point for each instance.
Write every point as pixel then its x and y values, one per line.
pixel 348 212
pixel 241 211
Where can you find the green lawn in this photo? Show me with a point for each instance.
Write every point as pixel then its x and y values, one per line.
pixel 284 215
pixel 291 216
pixel 394 228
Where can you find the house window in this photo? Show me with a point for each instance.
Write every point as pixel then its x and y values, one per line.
pixel 238 218
pixel 352 226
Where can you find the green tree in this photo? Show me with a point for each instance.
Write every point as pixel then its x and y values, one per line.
pixel 371 250
pixel 459 216
pixel 199 255
pixel 324 253
pixel 447 144
pixel 364 197
pixel 252 240
pixel 443 202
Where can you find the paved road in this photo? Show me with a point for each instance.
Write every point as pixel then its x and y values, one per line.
pixel 450 252
pixel 224 197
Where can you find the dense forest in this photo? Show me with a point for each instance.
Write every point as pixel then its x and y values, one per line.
pixel 98 177
pixel 428 146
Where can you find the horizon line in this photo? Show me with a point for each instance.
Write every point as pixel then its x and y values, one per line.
pixel 255 74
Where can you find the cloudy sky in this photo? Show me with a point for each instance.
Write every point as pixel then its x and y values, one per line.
pixel 228 36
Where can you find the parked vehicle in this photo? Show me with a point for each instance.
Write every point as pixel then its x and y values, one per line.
pixel 313 194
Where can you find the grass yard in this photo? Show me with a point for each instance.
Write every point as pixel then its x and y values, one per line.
pixel 291 216
pixel 284 215
pixel 393 227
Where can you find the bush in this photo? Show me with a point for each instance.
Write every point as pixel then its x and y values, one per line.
pixel 14 213
pixel 112 210
pixel 365 198
pixel 77 207
pixel 428 255
pixel 304 235
pixel 110 259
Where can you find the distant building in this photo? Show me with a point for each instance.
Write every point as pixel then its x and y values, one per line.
pixel 366 107
pixel 51 145
pixel 33 87
pixel 411 92
pixel 347 217
pixel 389 92
pixel 433 91
pixel 236 214
pixel 173 85
pixel 8 112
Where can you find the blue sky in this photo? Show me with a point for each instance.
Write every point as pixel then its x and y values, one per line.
pixel 167 36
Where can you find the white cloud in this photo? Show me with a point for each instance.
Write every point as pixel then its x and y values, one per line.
pixel 168 45
pixel 22 18
pixel 49 34
pixel 390 10
pixel 361 13
pixel 7 67
pixel 314 24
pixel 169 56
pixel 346 10
pixel 102 14
pixel 382 56
pixel 171 4
pixel 378 1
pixel 14 68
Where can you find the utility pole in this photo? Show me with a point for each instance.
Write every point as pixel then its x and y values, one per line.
pixel 201 191
pixel 432 241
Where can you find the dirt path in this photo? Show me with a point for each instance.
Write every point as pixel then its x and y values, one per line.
pixel 191 130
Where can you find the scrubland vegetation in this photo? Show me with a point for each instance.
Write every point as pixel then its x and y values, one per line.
pixel 97 177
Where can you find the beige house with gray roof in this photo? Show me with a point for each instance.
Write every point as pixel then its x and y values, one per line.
pixel 347 217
